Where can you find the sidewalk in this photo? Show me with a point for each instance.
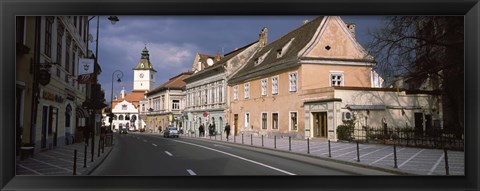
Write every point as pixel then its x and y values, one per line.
pixel 410 160
pixel 59 161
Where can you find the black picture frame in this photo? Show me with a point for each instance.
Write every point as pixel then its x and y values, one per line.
pixel 469 8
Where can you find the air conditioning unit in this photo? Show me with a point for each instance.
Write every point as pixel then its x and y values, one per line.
pixel 347 116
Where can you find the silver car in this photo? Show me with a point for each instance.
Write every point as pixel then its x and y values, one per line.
pixel 170 132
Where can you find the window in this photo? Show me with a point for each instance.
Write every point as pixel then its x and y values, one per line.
pixel 220 94
pixel 275 85
pixel 67 53
pixel 274 120
pixel 336 79
pixel 143 107
pixel 235 92
pixel 264 87
pixel 59 46
pixel 293 81
pixel 127 117
pixel 124 107
pixel 293 121
pixel 48 36
pixel 247 90
pixel 264 120
pixel 120 117
pixel 247 119
pixel 175 104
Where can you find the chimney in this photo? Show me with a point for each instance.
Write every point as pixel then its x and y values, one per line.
pixel 351 28
pixel 263 39
pixel 305 21
pixel 218 57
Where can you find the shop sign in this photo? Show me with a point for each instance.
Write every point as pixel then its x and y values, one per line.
pixel 53 97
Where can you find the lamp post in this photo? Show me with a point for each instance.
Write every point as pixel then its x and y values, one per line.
pixel 119 77
pixel 113 19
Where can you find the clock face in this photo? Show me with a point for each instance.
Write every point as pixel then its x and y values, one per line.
pixel 141 75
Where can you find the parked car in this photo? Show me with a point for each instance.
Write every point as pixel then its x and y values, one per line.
pixel 170 132
pixel 123 131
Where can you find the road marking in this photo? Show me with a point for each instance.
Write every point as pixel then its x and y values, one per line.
pixel 408 160
pixel 56 166
pixel 385 157
pixel 191 172
pixel 370 153
pixel 154 144
pixel 168 153
pixel 239 157
pixel 144 140
pixel 436 164
pixel 29 169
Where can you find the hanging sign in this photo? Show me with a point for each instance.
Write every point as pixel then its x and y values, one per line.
pixel 85 66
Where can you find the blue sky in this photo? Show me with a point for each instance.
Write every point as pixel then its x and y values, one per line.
pixel 173 41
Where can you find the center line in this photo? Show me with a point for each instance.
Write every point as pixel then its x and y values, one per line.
pixel 154 144
pixel 191 172
pixel 168 153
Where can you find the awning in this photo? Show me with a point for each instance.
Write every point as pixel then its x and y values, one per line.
pixel 81 113
pixel 366 107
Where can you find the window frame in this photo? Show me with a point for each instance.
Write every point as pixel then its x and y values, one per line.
pixel 277 120
pixel 275 86
pixel 262 122
pixel 290 81
pixel 290 121
pixel 246 90
pixel 235 92
pixel 264 86
pixel 336 73
pixel 247 120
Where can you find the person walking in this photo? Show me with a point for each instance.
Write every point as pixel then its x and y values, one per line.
pixel 201 131
pixel 227 130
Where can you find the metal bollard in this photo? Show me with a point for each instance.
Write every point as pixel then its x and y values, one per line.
pixel 275 141
pixel 75 162
pixel 446 161
pixel 99 147
pixel 289 143
pixel 85 157
pixel 215 137
pixel 242 138
pixel 358 153
pixel 395 155
pixel 262 140
pixel 308 145
pixel 251 139
pixel 234 140
pixel 329 149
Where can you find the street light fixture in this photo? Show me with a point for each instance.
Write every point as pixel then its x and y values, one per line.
pixel 119 77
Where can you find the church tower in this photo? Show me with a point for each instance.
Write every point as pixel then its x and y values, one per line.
pixel 144 74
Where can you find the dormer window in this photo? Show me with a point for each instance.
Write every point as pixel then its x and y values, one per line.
pixel 143 66
pixel 283 50
pixel 260 59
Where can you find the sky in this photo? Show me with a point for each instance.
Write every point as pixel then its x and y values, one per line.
pixel 173 41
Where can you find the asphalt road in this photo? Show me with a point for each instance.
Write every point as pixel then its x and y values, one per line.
pixel 137 154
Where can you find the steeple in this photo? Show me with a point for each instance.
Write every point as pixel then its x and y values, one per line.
pixel 145 54
pixel 144 63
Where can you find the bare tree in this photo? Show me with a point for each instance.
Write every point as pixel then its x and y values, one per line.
pixel 425 50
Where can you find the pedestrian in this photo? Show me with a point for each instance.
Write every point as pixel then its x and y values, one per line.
pixel 210 130
pixel 227 130
pixel 201 131
pixel 160 129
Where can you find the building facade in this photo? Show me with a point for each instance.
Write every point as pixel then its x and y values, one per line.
pixel 289 87
pixel 163 106
pixel 206 90
pixel 48 52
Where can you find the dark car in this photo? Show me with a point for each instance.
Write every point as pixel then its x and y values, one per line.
pixel 170 132
pixel 123 131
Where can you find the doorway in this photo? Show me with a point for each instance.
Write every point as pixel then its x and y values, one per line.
pixel 54 124
pixel 319 124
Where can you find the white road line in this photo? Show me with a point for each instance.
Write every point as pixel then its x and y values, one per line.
pixel 239 157
pixel 29 169
pixel 370 153
pixel 168 153
pixel 144 140
pixel 154 144
pixel 56 166
pixel 46 155
pixel 191 172
pixel 436 164
pixel 385 157
pixel 408 160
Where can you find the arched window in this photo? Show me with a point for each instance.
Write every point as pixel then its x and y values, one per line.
pixel 120 117
pixel 115 117
pixel 127 117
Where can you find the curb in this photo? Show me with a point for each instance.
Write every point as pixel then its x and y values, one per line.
pixel 394 171
pixel 100 162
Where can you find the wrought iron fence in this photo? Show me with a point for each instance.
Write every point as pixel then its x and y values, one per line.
pixel 432 138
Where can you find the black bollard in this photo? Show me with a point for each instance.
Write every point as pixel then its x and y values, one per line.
pixel 99 147
pixel 242 138
pixel 395 155
pixel 308 145
pixel 234 140
pixel 85 157
pixel 446 161
pixel 289 143
pixel 358 153
pixel 75 162
pixel 329 149
pixel 275 141
pixel 262 140
pixel 251 139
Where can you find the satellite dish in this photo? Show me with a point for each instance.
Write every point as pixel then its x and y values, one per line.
pixel 210 61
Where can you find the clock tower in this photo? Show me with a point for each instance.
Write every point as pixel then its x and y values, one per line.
pixel 144 74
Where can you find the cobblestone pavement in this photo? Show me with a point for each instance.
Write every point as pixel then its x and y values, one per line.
pixel 410 160
pixel 60 160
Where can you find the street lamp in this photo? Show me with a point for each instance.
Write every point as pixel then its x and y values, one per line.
pixel 119 76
